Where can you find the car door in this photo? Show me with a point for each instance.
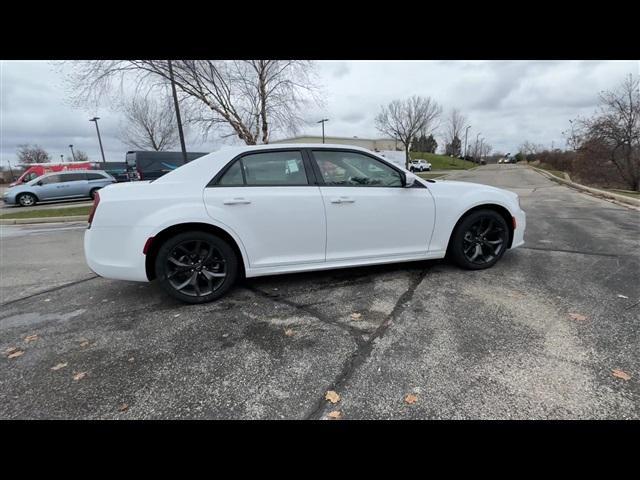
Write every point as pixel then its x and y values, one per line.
pixel 370 214
pixel 74 185
pixel 47 188
pixel 270 201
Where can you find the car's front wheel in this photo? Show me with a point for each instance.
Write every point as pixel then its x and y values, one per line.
pixel 479 240
pixel 196 267
pixel 26 199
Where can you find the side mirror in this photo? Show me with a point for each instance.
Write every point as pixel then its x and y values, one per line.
pixel 409 180
pixel 39 183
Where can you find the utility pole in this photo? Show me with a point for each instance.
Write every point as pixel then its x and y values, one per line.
pixel 61 158
pixel 95 120
pixel 73 155
pixel 466 132
pixel 178 118
pixel 322 122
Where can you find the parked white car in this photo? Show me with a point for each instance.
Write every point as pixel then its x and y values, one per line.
pixel 419 166
pixel 271 209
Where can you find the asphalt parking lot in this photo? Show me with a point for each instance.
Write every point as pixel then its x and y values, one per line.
pixel 538 336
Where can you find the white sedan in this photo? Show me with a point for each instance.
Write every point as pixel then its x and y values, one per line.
pixel 271 209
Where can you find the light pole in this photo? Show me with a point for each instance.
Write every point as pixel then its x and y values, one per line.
pixel 95 120
pixel 476 148
pixel 322 122
pixel 177 107
pixel 466 132
pixel 481 142
pixel 73 155
pixel 61 158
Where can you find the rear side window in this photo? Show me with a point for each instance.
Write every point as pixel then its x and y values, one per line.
pixel 95 176
pixel 269 168
pixel 73 177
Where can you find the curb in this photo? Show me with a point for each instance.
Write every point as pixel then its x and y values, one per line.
pixel 590 190
pixel 23 221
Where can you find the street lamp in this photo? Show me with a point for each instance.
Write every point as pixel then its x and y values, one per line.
pixel 322 122
pixel 61 158
pixel 73 155
pixel 95 120
pixel 466 132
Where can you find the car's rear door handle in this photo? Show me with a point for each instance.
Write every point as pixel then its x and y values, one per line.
pixel 343 200
pixel 237 201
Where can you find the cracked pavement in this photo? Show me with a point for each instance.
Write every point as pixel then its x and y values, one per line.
pixel 492 344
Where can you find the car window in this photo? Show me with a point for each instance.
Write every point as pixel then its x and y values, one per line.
pixel 51 179
pixel 233 176
pixel 95 176
pixel 30 176
pixel 274 168
pixel 72 177
pixel 269 168
pixel 355 169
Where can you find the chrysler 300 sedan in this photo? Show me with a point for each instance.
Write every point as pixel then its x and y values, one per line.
pixel 271 209
pixel 70 184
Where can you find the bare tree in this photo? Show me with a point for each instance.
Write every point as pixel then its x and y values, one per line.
pixel 149 123
pixel 616 126
pixel 250 98
pixel 404 119
pixel 32 154
pixel 529 150
pixel 80 156
pixel 456 123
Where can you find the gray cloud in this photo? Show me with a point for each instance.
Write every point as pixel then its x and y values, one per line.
pixel 508 101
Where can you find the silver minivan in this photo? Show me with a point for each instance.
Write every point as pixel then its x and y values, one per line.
pixel 58 186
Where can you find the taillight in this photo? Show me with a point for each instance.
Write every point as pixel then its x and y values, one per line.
pixel 513 219
pixel 96 201
pixel 140 174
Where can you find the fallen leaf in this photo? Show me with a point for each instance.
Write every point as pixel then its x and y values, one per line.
pixel 356 316
pixel 410 399
pixel 577 316
pixel 16 354
pixel 131 359
pixel 335 415
pixel 47 299
pixel 176 315
pixel 59 366
pixel 124 407
pixel 31 338
pixel 10 350
pixel 620 374
pixel 84 343
pixel 80 375
pixel 332 396
pixel 289 332
pixel 622 296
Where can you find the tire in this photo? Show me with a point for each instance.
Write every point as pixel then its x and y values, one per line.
pixel 26 199
pixel 483 229
pixel 411 169
pixel 92 193
pixel 209 284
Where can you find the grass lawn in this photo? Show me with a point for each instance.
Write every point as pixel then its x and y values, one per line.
pixel 557 173
pixel 53 212
pixel 442 162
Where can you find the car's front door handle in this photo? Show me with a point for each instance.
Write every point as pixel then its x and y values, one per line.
pixel 343 200
pixel 236 201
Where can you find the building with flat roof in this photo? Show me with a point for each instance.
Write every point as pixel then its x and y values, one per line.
pixel 369 143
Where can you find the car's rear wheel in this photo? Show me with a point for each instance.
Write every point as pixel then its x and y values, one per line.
pixel 26 199
pixel 196 267
pixel 479 240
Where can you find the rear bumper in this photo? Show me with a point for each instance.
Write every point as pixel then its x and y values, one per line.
pixel 521 225
pixel 116 252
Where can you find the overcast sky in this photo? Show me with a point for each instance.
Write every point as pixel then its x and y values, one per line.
pixel 507 101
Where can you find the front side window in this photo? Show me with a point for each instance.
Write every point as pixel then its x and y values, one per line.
pixel 352 169
pixel 51 179
pixel 269 168
pixel 30 176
